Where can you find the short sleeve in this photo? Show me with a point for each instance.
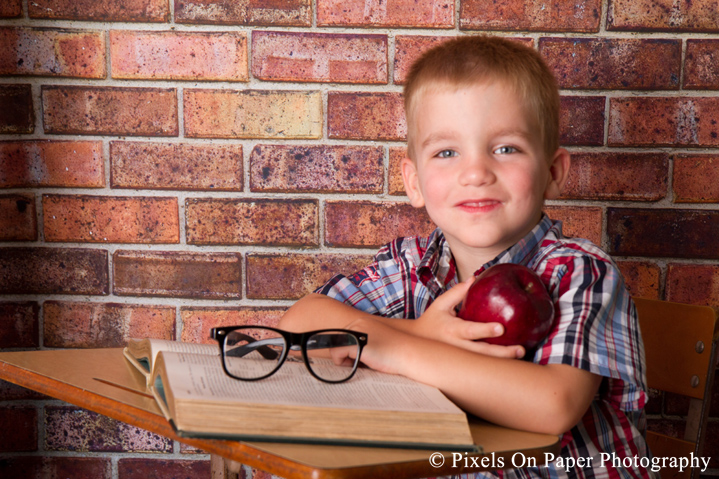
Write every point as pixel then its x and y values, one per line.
pixel 353 290
pixel 376 289
pixel 597 328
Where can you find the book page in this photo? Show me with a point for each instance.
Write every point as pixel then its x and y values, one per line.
pixel 156 345
pixel 202 377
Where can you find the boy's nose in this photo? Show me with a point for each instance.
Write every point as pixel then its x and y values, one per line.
pixel 476 172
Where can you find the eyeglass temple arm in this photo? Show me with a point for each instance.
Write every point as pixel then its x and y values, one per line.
pixel 252 345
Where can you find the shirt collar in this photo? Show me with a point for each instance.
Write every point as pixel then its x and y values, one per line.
pixel 437 270
pixel 526 248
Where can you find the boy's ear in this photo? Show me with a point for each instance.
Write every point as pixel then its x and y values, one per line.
pixel 411 182
pixel 559 172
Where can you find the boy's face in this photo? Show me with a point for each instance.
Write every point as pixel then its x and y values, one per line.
pixel 479 167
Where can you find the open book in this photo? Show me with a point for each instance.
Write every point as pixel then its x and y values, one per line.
pixel 371 409
pixel 142 353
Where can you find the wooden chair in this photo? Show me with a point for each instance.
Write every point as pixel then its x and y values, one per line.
pixel 680 343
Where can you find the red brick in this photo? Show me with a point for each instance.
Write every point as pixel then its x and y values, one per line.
pixel 664 121
pixel 408 48
pixel 258 473
pixel 654 402
pixel 714 405
pixel 642 278
pixel 197 322
pixel 181 166
pixel 388 13
pixel 52 52
pixel 19 325
pixel 292 276
pixel 48 467
pixel 13 392
pixel 110 219
pixel 366 116
pixel 250 221
pixel 104 325
pixel 178 274
pixel 53 271
pixel 19 427
pixel 618 176
pixel 711 448
pixel 614 63
pixel 676 405
pixel 372 224
pixel 255 12
pixel 28 164
pixel 219 56
pixel 395 185
pixel 252 114
pixel 696 179
pixel 16 109
pixel 676 233
pixel 667 426
pixel 663 15
pixel 579 221
pixel 581 120
pixel 570 15
pixel 11 9
pixel 17 218
pixel 114 11
pixel 693 283
pixel 141 468
pixel 75 429
pixel 321 168
pixel 701 65
pixel 80 110
pixel 319 57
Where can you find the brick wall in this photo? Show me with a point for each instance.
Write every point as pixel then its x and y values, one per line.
pixel 168 165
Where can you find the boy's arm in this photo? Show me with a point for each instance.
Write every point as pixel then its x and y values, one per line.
pixel 597 328
pixel 439 322
pixel 543 398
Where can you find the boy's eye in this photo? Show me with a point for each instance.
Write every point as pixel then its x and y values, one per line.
pixel 447 154
pixel 505 150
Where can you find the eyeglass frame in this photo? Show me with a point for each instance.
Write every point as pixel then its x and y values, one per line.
pixel 291 339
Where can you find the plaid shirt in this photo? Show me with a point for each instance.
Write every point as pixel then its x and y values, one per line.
pixel 597 331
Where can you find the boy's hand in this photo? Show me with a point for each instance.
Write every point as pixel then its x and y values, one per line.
pixel 440 322
pixel 383 351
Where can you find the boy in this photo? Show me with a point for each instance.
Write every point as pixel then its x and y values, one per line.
pixel 482 115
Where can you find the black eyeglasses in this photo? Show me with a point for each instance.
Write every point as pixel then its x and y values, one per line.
pixel 250 353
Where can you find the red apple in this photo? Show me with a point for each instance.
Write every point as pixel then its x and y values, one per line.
pixel 513 295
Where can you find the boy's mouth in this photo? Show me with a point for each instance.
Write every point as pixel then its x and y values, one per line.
pixel 479 205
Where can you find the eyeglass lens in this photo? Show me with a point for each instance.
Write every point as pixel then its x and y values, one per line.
pixel 253 353
pixel 333 355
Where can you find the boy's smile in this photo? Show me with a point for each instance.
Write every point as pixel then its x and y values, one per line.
pixel 479 169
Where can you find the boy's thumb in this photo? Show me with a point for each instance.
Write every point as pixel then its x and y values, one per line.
pixel 457 293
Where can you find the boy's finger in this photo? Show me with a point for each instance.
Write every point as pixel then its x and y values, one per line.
pixel 472 330
pixel 510 352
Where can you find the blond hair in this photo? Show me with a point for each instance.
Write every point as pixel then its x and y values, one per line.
pixel 476 59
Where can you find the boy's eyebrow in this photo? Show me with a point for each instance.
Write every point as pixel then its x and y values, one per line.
pixel 514 132
pixel 437 137
pixel 446 135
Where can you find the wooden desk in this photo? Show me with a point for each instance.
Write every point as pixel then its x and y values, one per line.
pixel 102 381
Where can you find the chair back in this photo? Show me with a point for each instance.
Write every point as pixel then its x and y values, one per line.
pixel 680 342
